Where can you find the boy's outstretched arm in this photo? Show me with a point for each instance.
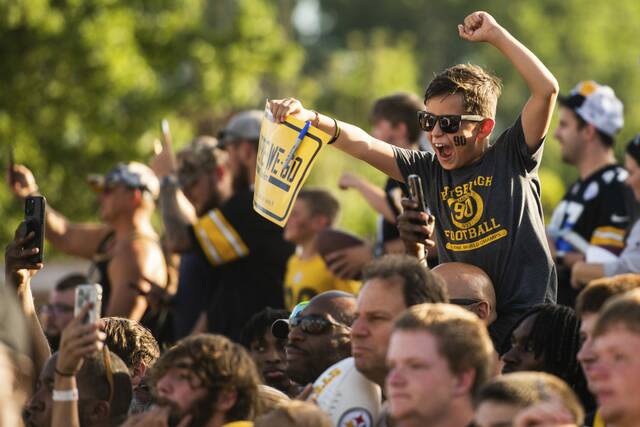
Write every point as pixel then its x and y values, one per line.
pixel 536 114
pixel 352 140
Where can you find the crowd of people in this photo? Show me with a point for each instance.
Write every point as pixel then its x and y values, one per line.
pixel 471 312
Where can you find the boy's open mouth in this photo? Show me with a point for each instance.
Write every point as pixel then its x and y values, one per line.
pixel 444 150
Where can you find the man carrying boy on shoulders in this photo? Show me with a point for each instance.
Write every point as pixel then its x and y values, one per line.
pixel 485 198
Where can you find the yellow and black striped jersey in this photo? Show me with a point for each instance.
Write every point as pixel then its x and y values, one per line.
pixel 249 254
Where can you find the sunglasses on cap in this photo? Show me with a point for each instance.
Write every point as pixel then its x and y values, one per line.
pixel 448 123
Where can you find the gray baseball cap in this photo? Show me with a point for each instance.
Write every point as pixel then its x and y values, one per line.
pixel 242 126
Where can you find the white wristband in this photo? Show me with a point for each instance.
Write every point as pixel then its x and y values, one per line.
pixel 65 395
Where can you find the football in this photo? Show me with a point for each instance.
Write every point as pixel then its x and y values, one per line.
pixel 350 399
pixel 330 240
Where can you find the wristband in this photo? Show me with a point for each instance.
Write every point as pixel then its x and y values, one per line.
pixel 64 374
pixel 336 135
pixel 316 119
pixel 65 395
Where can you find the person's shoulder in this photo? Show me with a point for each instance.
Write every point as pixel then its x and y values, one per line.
pixel 613 176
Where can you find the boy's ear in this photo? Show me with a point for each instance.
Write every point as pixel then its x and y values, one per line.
pixel 486 127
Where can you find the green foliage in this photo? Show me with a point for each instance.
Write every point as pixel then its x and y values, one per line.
pixel 83 84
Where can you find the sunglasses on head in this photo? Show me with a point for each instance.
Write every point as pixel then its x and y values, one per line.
pixel 464 301
pixel 313 324
pixel 449 123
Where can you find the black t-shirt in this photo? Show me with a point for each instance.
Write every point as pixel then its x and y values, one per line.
pixel 249 256
pixel 489 214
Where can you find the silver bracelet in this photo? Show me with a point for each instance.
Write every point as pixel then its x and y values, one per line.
pixel 65 395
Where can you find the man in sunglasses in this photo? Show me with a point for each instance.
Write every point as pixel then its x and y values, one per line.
pixel 485 197
pixel 469 287
pixel 124 248
pixel 318 334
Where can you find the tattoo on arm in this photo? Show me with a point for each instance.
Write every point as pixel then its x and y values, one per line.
pixel 176 222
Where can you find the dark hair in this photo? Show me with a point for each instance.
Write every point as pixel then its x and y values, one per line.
pixel 555 336
pixel 597 292
pixel 92 383
pixel 220 364
pixel 418 284
pixel 259 324
pixel 131 341
pixel 574 101
pixel 480 90
pixel 399 108
pixel 321 202
pixel 70 281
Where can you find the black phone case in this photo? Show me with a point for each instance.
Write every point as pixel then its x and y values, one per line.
pixel 34 207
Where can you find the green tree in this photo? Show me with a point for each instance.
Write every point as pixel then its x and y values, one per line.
pixel 83 83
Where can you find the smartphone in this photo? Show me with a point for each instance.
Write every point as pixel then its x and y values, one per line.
pixel 88 293
pixel 34 207
pixel 417 194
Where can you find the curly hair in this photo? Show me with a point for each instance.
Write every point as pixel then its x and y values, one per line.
pixel 131 341
pixel 259 324
pixel 219 364
pixel 480 90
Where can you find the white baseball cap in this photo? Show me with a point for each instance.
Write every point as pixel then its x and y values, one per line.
pixel 596 104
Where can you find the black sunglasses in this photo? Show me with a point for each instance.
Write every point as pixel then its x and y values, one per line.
pixel 448 123
pixel 314 324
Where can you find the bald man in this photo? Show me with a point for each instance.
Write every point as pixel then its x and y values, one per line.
pixel 469 287
pixel 319 336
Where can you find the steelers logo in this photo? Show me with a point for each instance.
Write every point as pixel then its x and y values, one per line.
pixel 356 417
pixel 466 210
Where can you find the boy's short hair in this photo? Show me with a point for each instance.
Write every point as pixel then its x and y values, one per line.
pixel 461 337
pixel 597 292
pixel 480 90
pixel 399 108
pixel 622 310
pixel 523 389
pixel 321 202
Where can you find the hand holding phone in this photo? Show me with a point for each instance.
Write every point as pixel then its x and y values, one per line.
pixel 90 293
pixel 34 211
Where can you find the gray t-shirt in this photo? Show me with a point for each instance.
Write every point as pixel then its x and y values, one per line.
pixel 489 214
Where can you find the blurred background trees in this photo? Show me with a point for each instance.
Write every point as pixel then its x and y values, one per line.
pixel 84 84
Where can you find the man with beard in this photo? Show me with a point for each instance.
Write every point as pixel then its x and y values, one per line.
pixel 246 252
pixel 57 314
pixel 125 249
pixel 318 336
pixel 205 380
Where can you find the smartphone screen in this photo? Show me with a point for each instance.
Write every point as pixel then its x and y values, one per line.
pixel 34 211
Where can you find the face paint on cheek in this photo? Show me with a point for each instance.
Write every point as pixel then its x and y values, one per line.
pixel 459 141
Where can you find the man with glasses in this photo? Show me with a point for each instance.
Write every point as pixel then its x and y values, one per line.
pixel 318 334
pixel 58 312
pixel 485 197
pixel 469 287
pixel 125 249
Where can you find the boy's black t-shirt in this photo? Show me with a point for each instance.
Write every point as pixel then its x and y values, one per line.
pixel 489 214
